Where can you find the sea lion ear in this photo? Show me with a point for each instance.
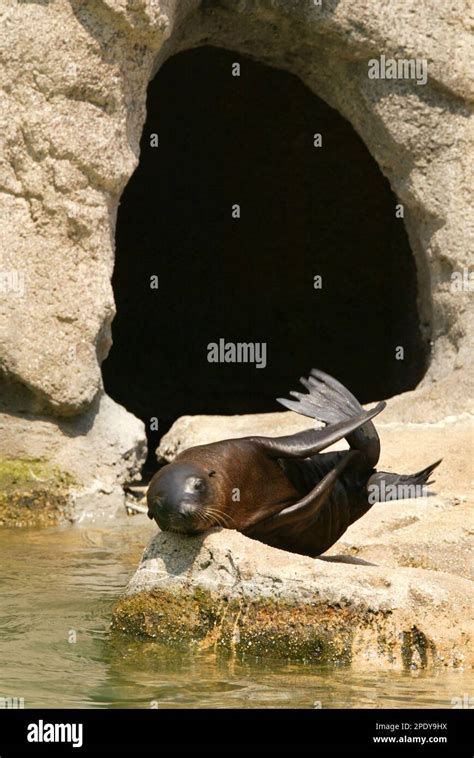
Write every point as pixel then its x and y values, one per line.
pixel 149 514
pixel 211 473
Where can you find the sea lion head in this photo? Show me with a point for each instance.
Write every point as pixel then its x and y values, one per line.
pixel 180 498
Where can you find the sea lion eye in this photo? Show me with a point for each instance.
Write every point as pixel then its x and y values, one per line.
pixel 198 484
pixel 211 473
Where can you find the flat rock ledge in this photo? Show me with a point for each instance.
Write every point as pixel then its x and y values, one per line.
pixel 228 592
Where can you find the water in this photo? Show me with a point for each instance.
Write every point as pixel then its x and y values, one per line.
pixel 60 584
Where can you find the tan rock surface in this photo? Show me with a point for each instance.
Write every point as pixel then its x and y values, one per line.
pixel 227 591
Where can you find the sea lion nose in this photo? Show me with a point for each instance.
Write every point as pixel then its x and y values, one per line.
pixel 166 509
pixel 162 511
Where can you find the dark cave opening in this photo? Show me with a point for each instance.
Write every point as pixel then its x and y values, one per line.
pixel 305 211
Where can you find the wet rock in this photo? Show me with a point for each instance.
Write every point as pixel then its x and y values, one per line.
pixel 229 592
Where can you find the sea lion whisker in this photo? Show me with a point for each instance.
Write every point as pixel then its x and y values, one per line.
pixel 215 519
pixel 210 513
pixel 207 518
pixel 213 509
pixel 204 513
pixel 211 518
pixel 217 513
pixel 225 518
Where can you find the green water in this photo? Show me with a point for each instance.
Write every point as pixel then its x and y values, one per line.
pixel 60 584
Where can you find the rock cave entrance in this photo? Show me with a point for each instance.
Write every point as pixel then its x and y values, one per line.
pixel 305 212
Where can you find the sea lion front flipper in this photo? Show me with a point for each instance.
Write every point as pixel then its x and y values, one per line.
pixel 303 513
pixel 312 441
pixel 327 400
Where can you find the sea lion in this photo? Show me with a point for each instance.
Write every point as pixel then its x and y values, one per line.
pixel 282 490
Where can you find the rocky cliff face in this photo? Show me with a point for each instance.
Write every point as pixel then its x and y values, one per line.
pixel 73 86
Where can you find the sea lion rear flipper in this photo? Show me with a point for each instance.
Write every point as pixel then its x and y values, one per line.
pixel 303 513
pixel 384 486
pixel 312 441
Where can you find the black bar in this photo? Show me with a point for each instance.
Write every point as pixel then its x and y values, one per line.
pixel 223 732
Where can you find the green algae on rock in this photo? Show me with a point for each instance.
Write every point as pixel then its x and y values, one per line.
pixel 33 493
pixel 260 627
